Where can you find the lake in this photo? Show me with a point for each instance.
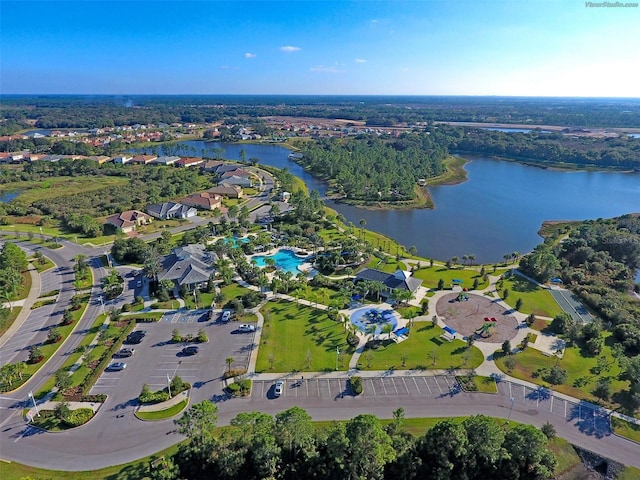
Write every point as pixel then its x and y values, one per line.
pixel 498 210
pixel 6 197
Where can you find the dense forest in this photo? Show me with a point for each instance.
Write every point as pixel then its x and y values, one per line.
pixel 50 111
pixel 371 169
pixel 597 259
pixel 288 446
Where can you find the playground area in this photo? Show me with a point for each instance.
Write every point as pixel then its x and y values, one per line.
pixel 468 314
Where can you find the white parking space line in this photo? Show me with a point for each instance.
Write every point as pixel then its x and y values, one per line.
pixel 373 387
pixel 437 384
pixel 427 385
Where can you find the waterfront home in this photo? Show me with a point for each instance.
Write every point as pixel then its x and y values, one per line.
pixel 165 160
pixel 122 159
pixel 189 162
pixel 144 159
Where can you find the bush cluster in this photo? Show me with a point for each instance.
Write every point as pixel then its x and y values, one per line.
pixel 356 385
pixel 78 417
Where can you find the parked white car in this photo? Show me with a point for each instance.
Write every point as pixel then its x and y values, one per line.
pixel 246 328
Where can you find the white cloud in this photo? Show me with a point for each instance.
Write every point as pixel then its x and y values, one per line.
pixel 289 48
pixel 250 55
pixel 360 60
pixel 327 69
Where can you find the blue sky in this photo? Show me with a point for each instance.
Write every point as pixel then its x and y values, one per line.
pixel 395 47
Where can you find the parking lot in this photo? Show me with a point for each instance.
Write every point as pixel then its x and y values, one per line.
pixel 442 387
pixel 156 357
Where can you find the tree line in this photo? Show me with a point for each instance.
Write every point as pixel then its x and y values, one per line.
pixel 77 111
pixel 289 446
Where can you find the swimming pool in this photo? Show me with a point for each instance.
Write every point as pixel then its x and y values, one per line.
pixel 285 260
pixel 363 317
pixel 235 241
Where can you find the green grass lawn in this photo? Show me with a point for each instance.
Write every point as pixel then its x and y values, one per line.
pixel 581 378
pixel 5 323
pixel 387 264
pixel 297 337
pixel 625 429
pixel 233 291
pixel 205 299
pixel 430 276
pixel 84 281
pixel 163 414
pixel 565 454
pixel 478 383
pixel 535 299
pixel 423 339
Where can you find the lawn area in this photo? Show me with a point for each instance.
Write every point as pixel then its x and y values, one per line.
pixel 625 429
pixel 387 264
pixel 582 376
pixel 5 323
pixel 535 299
pixel 430 276
pixel 301 338
pixel 566 455
pixel 163 414
pixel 205 299
pixel 233 291
pixel 84 281
pixel 478 383
pixel 423 340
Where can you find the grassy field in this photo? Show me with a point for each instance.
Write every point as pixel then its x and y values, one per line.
pixel 431 275
pixel 233 291
pixel 566 455
pixel 7 322
pixel 301 338
pixel 535 299
pixel 581 372
pixel 163 414
pixel 38 190
pixel 417 350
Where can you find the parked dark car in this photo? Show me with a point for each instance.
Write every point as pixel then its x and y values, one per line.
pixel 135 337
pixel 191 350
pixel 124 352
pixel 116 367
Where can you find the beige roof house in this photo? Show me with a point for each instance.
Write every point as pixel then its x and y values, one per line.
pixel 230 191
pixel 205 200
pixel 144 159
pixel 128 221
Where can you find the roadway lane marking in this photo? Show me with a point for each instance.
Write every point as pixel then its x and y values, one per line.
pixel 416 384
pixel 24 433
pixel 437 384
pixel 551 408
pixel 373 387
pixel 394 385
pixel 424 379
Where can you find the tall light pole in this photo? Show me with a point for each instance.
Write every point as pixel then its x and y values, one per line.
pixel 169 385
pixel 511 409
pixel 102 304
pixel 337 354
pixel 34 403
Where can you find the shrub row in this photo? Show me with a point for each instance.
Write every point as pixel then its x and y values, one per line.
pixel 90 379
pixel 235 372
pixel 356 385
pixel 240 388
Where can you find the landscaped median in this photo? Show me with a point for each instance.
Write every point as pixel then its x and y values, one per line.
pixel 163 410
pixel 625 429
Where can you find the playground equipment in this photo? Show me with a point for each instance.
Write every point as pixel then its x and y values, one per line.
pixel 485 330
pixel 463 296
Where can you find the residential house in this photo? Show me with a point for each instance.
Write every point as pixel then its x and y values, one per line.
pixel 122 159
pixel 166 160
pixel 205 200
pixel 189 162
pixel 129 220
pixel 144 159
pixel 99 159
pixel 210 166
pixel 228 191
pixel 235 180
pixel 171 210
pixel 401 280
pixel 238 172
pixel 189 266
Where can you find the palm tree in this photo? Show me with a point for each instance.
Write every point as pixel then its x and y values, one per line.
pixel 370 331
pixel 377 287
pixel 229 362
pixel 464 259
pixel 362 222
pixel 387 328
